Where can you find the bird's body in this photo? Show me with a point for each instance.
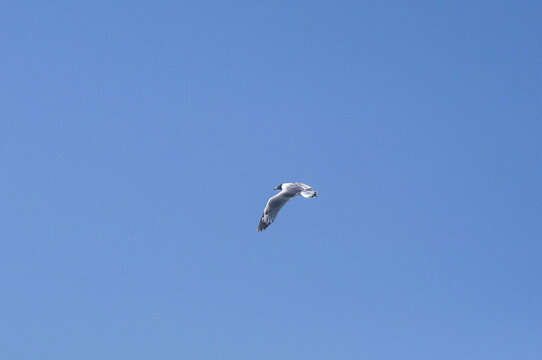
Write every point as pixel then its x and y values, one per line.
pixel 275 203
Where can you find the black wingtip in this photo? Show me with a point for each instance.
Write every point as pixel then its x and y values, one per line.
pixel 262 225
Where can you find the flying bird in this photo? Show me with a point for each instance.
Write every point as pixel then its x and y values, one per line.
pixel 275 203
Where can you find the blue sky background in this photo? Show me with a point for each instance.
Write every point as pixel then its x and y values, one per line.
pixel 139 142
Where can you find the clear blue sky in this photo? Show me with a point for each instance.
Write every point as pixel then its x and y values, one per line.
pixel 139 142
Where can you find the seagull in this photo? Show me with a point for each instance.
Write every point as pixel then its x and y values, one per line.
pixel 275 203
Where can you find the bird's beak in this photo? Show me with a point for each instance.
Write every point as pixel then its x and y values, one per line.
pixel 276 188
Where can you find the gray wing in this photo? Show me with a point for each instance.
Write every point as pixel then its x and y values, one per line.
pixel 306 191
pixel 273 207
pixel 303 186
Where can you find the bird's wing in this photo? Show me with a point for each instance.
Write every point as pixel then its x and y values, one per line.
pixel 273 207
pixel 307 191
pixel 304 186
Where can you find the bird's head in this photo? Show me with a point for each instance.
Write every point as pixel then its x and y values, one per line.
pixel 278 187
